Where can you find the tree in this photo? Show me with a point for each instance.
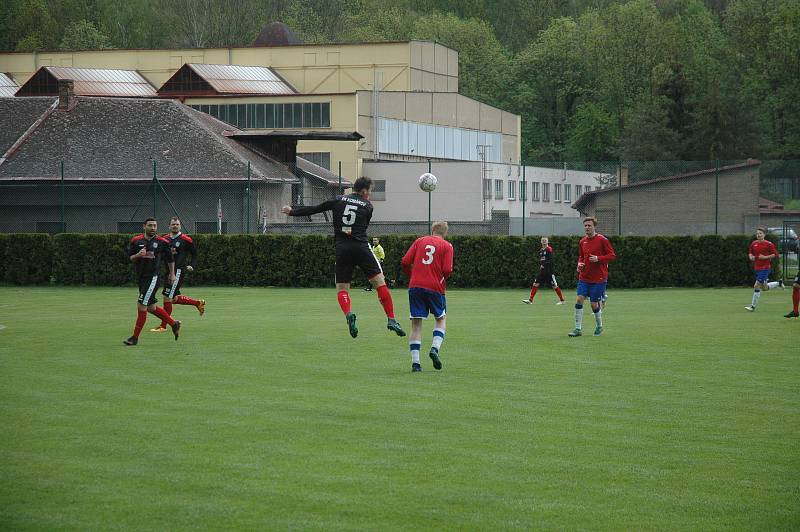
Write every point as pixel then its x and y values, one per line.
pixel 647 135
pixel 593 133
pixel 83 35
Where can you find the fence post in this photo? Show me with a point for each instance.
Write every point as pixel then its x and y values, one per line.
pixel 155 191
pixel 716 197
pixel 619 200
pixel 340 178
pixel 430 232
pixel 63 221
pixel 248 198
pixel 524 196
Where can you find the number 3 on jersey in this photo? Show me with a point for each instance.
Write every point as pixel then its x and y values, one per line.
pixel 429 251
pixel 349 215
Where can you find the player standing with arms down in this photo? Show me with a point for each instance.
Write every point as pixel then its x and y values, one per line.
pixel 761 253
pixel 546 273
pixel 594 254
pixel 147 251
pixel 184 252
pixel 377 250
pixel 428 262
pixel 351 216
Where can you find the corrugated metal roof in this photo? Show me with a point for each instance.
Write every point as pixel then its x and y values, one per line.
pixel 105 82
pixel 7 86
pixel 235 79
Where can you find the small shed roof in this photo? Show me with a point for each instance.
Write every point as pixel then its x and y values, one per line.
pixel 193 78
pixel 89 82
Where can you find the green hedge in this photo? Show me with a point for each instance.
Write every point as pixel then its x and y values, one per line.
pixel 308 260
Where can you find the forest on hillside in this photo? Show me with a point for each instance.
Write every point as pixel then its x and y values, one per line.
pixel 592 79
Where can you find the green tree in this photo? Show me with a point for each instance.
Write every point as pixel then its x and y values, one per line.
pixel 593 134
pixel 647 135
pixel 83 35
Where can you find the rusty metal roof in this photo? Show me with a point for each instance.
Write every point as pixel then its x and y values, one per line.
pixel 7 86
pixel 105 82
pixel 235 79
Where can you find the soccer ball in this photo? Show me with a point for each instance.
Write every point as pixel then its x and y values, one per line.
pixel 428 182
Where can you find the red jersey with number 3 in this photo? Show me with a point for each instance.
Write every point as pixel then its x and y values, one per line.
pixel 429 262
pixel 764 247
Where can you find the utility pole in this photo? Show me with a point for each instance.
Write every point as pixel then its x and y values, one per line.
pixel 482 149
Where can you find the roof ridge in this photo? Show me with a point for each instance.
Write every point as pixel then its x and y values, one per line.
pixel 28 132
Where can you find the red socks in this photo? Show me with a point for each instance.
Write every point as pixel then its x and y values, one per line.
pixel 141 318
pixel 161 313
pixel 344 301
pixel 558 291
pixel 386 300
pixel 183 300
pixel 168 309
pixel 533 293
pixel 795 298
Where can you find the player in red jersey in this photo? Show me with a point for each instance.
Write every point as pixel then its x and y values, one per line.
pixel 428 262
pixel 594 254
pixel 185 254
pixel 147 251
pixel 761 253
pixel 546 275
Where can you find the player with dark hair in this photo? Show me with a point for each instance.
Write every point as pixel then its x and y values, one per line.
pixel 147 251
pixel 761 253
pixel 546 275
pixel 594 254
pixel 351 217
pixel 184 252
pixel 428 263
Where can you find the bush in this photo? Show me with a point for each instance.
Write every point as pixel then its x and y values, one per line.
pixel 27 258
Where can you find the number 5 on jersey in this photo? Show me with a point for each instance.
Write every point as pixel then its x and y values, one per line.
pixel 429 251
pixel 348 218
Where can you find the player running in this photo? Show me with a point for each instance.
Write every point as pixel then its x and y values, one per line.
pixel 761 253
pixel 428 262
pixel 351 216
pixel 594 254
pixel 795 297
pixel 546 273
pixel 184 252
pixel 147 251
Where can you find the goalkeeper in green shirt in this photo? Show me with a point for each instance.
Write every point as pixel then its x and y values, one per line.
pixel 377 250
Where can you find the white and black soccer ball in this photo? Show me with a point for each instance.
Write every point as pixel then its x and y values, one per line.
pixel 428 182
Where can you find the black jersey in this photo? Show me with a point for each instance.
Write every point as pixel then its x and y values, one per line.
pixel 546 261
pixel 183 250
pixel 351 216
pixel 157 252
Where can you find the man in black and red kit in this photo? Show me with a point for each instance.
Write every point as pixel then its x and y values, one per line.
pixel 147 251
pixel 185 254
pixel 351 216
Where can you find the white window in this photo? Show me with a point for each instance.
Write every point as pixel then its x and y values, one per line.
pixel 567 193
pixel 578 191
pixel 512 189
pixel 557 192
pixel 498 189
pixel 597 188
pixel 487 188
pixel 378 190
pixel 535 191
pixel 545 191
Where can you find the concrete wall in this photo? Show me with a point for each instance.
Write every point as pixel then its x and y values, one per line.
pixel 319 69
pixel 458 196
pixel 682 206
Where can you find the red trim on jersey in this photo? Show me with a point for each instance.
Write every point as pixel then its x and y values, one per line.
pixel 137 237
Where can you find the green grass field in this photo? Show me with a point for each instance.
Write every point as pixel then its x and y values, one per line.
pixel 267 415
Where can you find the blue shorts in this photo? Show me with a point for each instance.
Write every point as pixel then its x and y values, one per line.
pixel 594 291
pixel 422 301
pixel 762 276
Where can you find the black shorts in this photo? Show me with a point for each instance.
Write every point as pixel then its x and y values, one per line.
pixel 546 279
pixel 174 289
pixel 148 286
pixel 350 254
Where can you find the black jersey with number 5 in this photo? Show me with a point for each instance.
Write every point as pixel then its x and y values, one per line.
pixel 351 216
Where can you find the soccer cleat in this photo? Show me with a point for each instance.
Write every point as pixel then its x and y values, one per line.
pixel 434 354
pixel 351 324
pixel 780 284
pixel 792 314
pixel 201 306
pixel 598 331
pixel 527 301
pixel 575 332
pixel 392 325
pixel 176 329
pixel 159 329
pixel 131 341
pixel 368 289
pixel 749 308
pixel 561 302
pixel 415 367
